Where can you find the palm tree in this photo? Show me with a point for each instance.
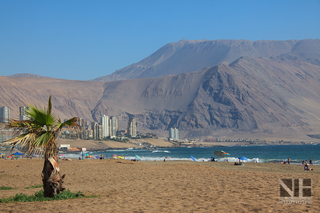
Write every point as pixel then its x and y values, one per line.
pixel 38 134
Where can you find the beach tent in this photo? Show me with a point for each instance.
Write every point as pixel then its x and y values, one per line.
pixel 243 158
pixel 17 153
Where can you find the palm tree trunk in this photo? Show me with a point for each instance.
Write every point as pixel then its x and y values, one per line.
pixel 51 178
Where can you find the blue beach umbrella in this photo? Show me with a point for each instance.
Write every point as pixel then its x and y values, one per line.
pixel 17 153
pixel 193 158
pixel 243 158
pixel 137 157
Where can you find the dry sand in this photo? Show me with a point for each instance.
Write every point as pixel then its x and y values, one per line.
pixel 171 186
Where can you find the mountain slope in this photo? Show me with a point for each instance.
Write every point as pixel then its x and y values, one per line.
pixel 188 56
pixel 250 95
pixel 70 98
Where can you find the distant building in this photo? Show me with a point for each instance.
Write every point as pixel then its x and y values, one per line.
pixel 97 131
pixel 105 126
pixel 132 128
pixel 87 134
pixel 64 146
pixel 174 133
pixel 23 114
pixel 4 114
pixel 113 127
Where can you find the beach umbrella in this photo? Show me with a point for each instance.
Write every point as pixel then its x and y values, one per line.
pixel 61 155
pixel 137 157
pixel 243 158
pixel 193 158
pixel 221 153
pixel 114 155
pixel 87 154
pixel 9 156
pixel 17 153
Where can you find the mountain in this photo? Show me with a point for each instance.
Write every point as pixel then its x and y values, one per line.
pixel 28 75
pixel 187 56
pixel 253 95
pixel 272 96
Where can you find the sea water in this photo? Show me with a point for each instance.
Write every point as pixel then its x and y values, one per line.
pixel 261 154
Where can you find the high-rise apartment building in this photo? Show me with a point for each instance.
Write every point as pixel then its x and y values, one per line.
pixel 87 134
pixel 132 128
pixel 113 127
pixel 105 126
pixel 97 131
pixel 22 113
pixel 174 133
pixel 4 114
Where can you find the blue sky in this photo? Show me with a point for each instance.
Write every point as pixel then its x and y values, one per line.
pixel 83 40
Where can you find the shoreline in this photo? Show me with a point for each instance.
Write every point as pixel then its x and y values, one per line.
pixel 91 145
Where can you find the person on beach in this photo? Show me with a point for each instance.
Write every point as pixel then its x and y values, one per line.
pixel 288 160
pixel 310 162
pixel 306 167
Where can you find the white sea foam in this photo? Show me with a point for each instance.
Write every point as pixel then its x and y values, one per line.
pixel 155 151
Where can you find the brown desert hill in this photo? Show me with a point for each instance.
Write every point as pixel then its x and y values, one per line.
pixel 70 98
pixel 253 95
pixel 28 75
pixel 187 56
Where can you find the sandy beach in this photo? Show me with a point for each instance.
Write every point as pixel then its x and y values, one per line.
pixel 132 143
pixel 171 186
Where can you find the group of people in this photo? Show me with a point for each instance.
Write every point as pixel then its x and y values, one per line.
pixel 306 165
pixel 286 162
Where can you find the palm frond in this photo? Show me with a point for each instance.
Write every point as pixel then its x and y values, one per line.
pixel 24 141
pixel 18 124
pixel 40 117
pixel 68 123
pixel 43 139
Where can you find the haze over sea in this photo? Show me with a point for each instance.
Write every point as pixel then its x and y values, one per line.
pixel 262 154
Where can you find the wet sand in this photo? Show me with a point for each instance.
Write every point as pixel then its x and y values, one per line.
pixel 171 186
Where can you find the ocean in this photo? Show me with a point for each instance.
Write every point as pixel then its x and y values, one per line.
pixel 261 154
